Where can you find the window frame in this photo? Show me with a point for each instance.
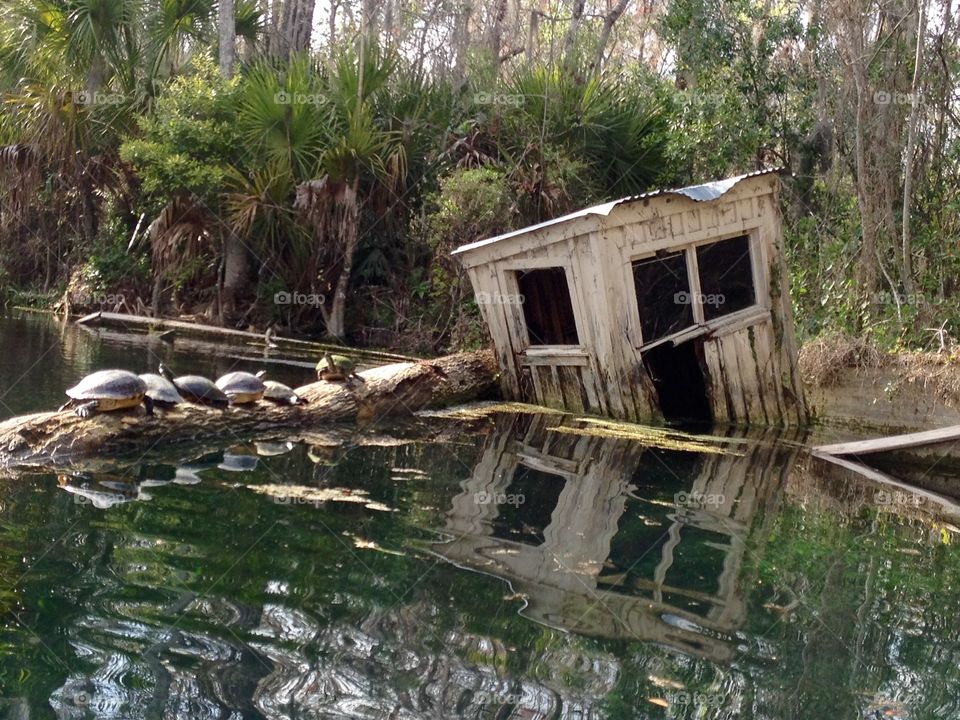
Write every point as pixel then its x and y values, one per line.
pixel 701 326
pixel 517 319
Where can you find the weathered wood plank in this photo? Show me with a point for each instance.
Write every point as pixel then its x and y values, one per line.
pixel 731 378
pixel 719 405
pixel 895 442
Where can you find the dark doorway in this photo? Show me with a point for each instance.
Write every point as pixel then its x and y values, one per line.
pixel 678 378
pixel 547 307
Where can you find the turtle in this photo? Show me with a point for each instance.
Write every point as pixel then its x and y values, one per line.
pixel 279 393
pixel 238 462
pixel 337 368
pixel 196 388
pixel 241 387
pixel 107 390
pixel 161 390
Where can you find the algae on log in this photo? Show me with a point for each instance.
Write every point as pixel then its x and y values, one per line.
pixel 51 438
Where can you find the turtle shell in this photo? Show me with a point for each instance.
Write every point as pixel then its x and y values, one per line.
pixel 278 392
pixel 160 389
pixel 109 385
pixel 241 387
pixel 240 382
pixel 344 364
pixel 199 388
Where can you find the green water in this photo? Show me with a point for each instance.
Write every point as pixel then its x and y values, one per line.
pixel 499 569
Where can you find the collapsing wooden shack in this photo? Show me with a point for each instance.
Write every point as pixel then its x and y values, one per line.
pixel 668 305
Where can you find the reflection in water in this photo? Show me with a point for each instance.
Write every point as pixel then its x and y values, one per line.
pixel 524 573
pixel 608 538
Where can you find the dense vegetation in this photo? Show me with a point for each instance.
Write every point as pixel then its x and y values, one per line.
pixel 316 172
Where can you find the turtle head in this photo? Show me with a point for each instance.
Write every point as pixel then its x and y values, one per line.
pixel 165 372
pixel 261 374
pixel 331 365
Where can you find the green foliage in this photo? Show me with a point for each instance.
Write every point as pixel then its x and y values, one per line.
pixel 189 140
pixel 110 265
pixel 471 204
pixel 737 104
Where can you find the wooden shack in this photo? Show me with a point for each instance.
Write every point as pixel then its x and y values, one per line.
pixel 668 305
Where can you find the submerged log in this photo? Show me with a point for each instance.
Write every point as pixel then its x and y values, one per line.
pixel 55 438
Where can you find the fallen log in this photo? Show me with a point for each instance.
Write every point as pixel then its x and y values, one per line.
pixel 58 438
pixel 222 334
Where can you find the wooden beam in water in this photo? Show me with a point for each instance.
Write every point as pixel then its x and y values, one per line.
pixel 894 442
pixel 927 502
pixel 191 328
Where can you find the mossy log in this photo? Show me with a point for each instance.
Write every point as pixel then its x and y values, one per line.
pixel 57 438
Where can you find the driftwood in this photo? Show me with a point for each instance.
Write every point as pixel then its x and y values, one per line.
pixel 54 438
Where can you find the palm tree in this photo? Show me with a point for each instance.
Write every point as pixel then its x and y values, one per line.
pixel 320 130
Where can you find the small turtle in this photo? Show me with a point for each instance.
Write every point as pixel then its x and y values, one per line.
pixel 107 390
pixel 272 449
pixel 237 462
pixel 337 368
pixel 161 390
pixel 196 388
pixel 279 393
pixel 241 387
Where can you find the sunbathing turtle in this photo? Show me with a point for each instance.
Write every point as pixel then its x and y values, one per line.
pixel 107 390
pixel 279 393
pixel 161 390
pixel 241 387
pixel 337 368
pixel 196 388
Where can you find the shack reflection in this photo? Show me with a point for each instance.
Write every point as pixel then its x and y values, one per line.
pixel 605 537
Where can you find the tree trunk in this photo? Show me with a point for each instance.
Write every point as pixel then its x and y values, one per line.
pixel 349 226
pixel 573 30
pixel 58 438
pixel 226 20
pixel 609 20
pixel 495 37
pixel 906 271
pixel 236 271
pixel 294 28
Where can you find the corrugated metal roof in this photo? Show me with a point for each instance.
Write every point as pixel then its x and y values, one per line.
pixel 700 193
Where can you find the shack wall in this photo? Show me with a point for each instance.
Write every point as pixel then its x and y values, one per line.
pixel 748 358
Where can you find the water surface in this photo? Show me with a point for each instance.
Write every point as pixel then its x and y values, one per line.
pixel 498 569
